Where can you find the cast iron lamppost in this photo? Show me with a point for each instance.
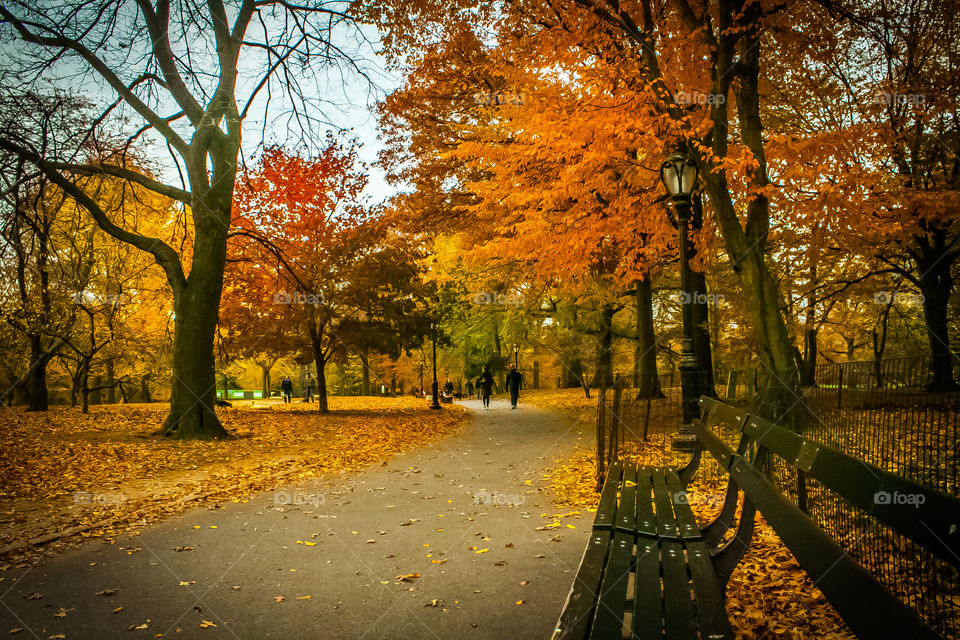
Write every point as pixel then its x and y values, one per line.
pixel 516 356
pixel 679 175
pixel 436 387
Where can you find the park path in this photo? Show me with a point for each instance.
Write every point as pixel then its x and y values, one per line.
pixel 344 545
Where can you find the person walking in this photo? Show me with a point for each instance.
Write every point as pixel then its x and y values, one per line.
pixel 514 383
pixel 486 387
pixel 468 388
pixel 286 386
pixel 309 391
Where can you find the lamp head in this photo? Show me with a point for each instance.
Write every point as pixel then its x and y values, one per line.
pixel 679 174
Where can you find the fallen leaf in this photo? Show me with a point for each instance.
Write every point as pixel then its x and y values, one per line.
pixel 408 577
pixel 279 599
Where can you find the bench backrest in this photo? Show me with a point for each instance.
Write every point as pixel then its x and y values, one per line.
pixel 925 516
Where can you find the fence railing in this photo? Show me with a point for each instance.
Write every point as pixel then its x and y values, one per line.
pixel 880 413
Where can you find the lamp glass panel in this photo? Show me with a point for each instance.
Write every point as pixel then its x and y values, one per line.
pixel 671 179
pixel 689 177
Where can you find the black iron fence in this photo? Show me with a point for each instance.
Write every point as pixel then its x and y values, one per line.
pixel 880 413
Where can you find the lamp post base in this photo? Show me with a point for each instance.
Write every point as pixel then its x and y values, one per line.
pixel 435 405
pixel 686 440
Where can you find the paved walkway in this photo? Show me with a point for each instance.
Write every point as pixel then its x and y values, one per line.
pixel 326 564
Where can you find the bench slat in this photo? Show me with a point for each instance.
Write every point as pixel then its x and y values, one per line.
pixel 929 524
pixel 680 622
pixel 648 599
pixel 608 619
pixel 716 412
pixel 607 507
pixel 686 521
pixel 867 607
pixel 627 505
pixel 577 615
pixel 711 608
pixel 646 521
pixel 666 523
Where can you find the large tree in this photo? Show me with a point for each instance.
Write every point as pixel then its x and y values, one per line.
pixel 185 76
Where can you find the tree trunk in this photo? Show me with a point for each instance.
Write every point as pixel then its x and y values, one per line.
pixel 37 381
pixel 745 243
pixel 192 410
pixel 145 389
pixel 571 371
pixel 321 364
pixel 96 392
pixel 85 387
pixel 365 372
pixel 880 345
pixel 265 369
pixel 646 377
pixel 75 387
pixel 603 374
pixel 935 286
pixel 111 383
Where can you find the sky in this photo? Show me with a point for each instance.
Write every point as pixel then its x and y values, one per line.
pixel 338 97
pixel 348 103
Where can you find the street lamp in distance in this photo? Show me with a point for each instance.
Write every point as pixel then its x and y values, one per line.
pixel 436 385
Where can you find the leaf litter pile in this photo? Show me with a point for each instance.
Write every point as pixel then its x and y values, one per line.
pixel 104 473
pixel 769 597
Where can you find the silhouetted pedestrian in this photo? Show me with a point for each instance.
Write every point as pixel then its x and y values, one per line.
pixel 486 387
pixel 514 383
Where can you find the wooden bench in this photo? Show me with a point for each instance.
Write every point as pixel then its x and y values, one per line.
pixel 650 572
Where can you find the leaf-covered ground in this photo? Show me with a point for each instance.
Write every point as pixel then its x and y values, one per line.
pixel 64 470
pixel 769 596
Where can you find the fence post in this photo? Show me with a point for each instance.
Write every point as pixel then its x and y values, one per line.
pixel 615 431
pixel 601 444
pixel 839 387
